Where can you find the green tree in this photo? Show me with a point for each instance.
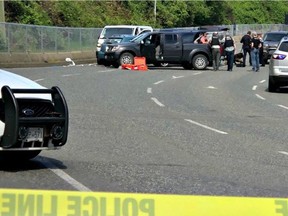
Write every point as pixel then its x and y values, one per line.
pixel 177 13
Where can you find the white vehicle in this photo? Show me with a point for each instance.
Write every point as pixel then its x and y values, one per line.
pixel 32 117
pixel 278 66
pixel 110 30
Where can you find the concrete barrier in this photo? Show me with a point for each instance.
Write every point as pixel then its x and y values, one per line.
pixel 10 60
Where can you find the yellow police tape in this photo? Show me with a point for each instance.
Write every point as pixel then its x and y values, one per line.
pixel 70 203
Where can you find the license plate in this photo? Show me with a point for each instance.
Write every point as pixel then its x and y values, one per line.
pixel 34 134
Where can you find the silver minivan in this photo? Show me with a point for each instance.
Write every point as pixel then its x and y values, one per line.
pixel 278 66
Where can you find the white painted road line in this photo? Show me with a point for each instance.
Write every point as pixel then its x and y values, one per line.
pixel 205 126
pixel 107 70
pixel 38 80
pixel 156 83
pixel 74 183
pixel 157 102
pixel 211 87
pixel 68 75
pixel 283 152
pixel 149 90
pixel 262 81
pixel 254 87
pixel 197 73
pixel 282 106
pixel 260 97
pixel 174 77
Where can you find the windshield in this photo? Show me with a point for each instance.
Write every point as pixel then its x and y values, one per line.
pixel 108 32
pixel 119 39
pixel 274 37
pixel 140 37
pixel 127 39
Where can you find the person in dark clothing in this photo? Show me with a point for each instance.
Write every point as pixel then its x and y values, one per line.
pixel 229 47
pixel 255 46
pixel 261 57
pixel 246 45
pixel 157 48
pixel 215 46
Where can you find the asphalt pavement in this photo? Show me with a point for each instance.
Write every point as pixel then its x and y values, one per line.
pixel 165 131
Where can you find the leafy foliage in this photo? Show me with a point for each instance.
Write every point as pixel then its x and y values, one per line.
pixel 177 13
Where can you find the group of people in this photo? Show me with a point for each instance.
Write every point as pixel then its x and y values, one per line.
pixel 252 44
pixel 227 44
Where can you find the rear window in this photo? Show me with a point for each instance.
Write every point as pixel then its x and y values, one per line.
pixel 274 36
pixel 188 38
pixel 283 46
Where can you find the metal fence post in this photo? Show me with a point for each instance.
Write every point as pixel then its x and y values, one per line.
pixel 8 39
pixel 56 50
pixel 80 40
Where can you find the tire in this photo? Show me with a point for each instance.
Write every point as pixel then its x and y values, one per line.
pixel 187 66
pixel 200 62
pixel 126 58
pixel 272 87
pixel 18 155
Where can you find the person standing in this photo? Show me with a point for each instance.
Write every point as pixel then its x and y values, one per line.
pixel 229 47
pixel 215 46
pixel 246 45
pixel 157 47
pixel 255 46
pixel 261 57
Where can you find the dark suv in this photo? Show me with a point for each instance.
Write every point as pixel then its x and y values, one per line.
pixel 175 47
pixel 270 43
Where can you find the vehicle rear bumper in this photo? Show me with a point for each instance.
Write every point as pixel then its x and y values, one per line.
pixel 280 80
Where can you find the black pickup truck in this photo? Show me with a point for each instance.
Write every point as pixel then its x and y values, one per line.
pixel 176 47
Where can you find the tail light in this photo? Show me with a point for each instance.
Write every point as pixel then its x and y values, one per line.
pixel 278 56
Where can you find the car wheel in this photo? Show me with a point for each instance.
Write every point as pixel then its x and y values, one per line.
pixel 18 155
pixel 187 66
pixel 272 87
pixel 126 58
pixel 200 62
